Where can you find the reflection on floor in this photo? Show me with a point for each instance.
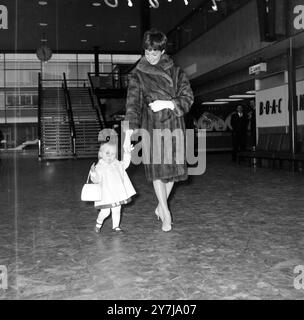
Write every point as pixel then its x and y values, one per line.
pixel 238 234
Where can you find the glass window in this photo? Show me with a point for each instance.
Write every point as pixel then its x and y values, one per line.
pixel 105 67
pixel 200 21
pixel 21 61
pixel 85 57
pixel 2 104
pixel 21 78
pixel 54 71
pixel 22 65
pixel 1 70
pixel 104 58
pixel 59 64
pixel 125 58
pixel 12 100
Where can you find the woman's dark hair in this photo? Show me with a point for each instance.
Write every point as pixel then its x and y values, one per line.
pixel 154 40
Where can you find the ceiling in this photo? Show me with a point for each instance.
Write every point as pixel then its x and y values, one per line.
pixel 66 24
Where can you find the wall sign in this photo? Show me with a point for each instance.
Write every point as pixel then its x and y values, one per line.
pixel 272 106
pixel 257 68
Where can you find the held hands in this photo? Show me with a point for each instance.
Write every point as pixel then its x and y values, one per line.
pixel 127 146
pixel 159 105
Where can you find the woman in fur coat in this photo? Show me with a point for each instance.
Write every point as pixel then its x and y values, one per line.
pixel 159 95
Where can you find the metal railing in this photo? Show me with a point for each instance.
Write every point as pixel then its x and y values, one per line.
pixel 39 115
pixel 40 99
pixel 97 109
pixel 68 106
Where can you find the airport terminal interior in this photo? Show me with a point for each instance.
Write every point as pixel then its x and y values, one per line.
pixel 237 222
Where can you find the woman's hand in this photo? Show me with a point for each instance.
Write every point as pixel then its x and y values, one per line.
pixel 159 105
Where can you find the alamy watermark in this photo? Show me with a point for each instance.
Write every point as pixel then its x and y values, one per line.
pixel 3 277
pixel 3 17
pixel 163 146
pixel 298 281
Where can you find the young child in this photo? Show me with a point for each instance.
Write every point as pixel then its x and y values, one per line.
pixel 115 184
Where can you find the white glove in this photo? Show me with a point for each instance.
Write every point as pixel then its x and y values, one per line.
pixel 159 105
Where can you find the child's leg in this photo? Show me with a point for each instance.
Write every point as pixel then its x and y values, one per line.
pixel 103 213
pixel 116 216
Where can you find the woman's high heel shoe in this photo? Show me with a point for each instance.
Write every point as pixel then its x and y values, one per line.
pixel 166 227
pixel 158 215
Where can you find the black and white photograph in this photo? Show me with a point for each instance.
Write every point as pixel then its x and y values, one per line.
pixel 152 153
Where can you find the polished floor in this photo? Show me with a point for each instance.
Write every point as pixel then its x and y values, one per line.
pixel 238 234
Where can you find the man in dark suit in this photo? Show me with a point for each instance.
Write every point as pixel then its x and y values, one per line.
pixel 239 123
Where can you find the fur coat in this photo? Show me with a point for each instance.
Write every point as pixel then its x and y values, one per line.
pixel 163 81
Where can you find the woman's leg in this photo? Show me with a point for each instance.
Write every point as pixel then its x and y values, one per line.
pixel 161 193
pixel 116 217
pixel 169 186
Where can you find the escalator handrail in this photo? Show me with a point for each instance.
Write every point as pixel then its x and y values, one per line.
pixel 69 111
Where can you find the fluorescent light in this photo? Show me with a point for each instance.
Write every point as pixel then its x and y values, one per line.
pixel 242 96
pixel 96 4
pixel 133 26
pixel 89 25
pixel 212 102
pixel 83 40
pixel 122 41
pixel 43 24
pixel 43 40
pixel 228 99
pixel 42 3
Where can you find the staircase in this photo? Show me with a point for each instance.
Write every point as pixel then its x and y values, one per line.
pixel 55 132
pixel 86 121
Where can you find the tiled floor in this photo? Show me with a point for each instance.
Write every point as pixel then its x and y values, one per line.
pixel 238 234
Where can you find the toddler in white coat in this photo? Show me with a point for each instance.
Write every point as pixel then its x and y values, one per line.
pixel 116 187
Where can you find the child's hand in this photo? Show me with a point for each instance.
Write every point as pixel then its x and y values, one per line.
pixel 93 168
pixel 128 148
pixel 127 141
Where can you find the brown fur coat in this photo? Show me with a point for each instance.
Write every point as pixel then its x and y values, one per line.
pixel 148 83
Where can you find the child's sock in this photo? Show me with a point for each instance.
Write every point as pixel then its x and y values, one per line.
pixel 116 217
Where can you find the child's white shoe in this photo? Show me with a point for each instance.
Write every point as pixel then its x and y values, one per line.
pixel 97 228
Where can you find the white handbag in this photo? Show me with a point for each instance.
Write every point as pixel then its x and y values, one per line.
pixel 91 191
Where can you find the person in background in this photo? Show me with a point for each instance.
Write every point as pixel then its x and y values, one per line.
pixel 239 124
pixel 252 119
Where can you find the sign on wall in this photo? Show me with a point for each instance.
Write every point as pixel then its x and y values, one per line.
pixel 300 105
pixel 272 106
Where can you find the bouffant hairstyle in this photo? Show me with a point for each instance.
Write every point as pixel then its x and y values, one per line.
pixel 154 40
